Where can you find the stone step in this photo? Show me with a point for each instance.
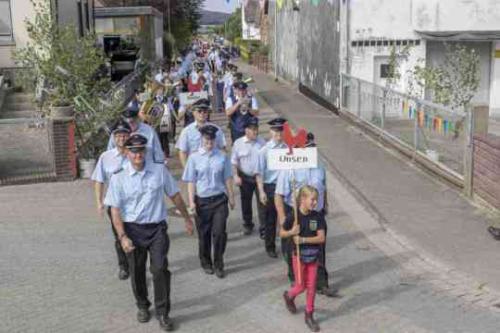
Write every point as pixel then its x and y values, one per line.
pixel 7 114
pixel 19 98
pixel 19 106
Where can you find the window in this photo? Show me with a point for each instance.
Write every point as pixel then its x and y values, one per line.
pixel 5 19
pixel 384 71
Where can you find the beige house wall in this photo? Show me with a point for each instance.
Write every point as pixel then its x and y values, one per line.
pixel 20 10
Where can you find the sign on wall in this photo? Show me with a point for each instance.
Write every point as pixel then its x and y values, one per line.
pixel 301 158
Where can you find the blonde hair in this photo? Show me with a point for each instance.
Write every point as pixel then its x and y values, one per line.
pixel 304 192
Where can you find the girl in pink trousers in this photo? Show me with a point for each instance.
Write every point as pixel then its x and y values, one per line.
pixel 309 233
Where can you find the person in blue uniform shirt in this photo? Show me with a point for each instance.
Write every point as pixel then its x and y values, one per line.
pixel 315 177
pixel 110 162
pixel 190 138
pixel 131 116
pixel 210 190
pixel 239 109
pixel 266 183
pixel 245 161
pixel 136 196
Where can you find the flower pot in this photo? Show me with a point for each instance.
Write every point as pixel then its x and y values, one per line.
pixel 86 167
pixel 62 111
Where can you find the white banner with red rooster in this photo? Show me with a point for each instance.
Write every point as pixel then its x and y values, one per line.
pixel 300 158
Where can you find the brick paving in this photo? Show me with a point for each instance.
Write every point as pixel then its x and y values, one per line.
pixel 59 274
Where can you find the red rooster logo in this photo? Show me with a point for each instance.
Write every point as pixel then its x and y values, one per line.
pixel 298 140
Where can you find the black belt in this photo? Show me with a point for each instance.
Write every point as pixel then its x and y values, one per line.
pixel 148 224
pixel 212 199
pixel 247 178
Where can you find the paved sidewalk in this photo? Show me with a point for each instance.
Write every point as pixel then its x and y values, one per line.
pixel 59 274
pixel 426 214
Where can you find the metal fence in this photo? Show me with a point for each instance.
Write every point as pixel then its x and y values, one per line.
pixel 433 132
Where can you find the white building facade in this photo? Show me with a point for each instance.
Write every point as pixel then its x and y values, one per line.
pixel 371 28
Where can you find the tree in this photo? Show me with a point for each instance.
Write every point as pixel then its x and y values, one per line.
pixel 233 26
pixel 456 81
pixel 68 64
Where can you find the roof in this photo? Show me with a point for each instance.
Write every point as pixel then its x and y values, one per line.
pixel 126 11
pixel 460 35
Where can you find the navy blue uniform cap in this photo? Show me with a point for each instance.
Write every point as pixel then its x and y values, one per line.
pixel 209 131
pixel 136 142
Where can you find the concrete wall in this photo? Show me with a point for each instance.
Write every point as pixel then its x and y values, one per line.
pixel 379 22
pixel 20 10
pixel 287 32
pixel 455 15
pixel 495 81
pixel 318 48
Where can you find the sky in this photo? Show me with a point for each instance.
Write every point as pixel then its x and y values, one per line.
pixel 221 5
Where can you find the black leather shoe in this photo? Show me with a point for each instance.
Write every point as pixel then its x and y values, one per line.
pixel 143 315
pixel 123 274
pixel 219 272
pixel 208 270
pixel 247 231
pixel 328 291
pixel 289 302
pixel 311 323
pixel 166 323
pixel 495 232
pixel 272 253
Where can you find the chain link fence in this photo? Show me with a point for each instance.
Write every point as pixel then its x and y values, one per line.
pixel 432 131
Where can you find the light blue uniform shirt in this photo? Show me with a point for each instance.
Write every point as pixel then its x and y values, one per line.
pixel 269 176
pixel 153 144
pixel 313 177
pixel 245 155
pixel 190 138
pixel 109 162
pixel 209 171
pixel 140 195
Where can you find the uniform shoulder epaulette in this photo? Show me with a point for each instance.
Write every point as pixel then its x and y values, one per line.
pixel 118 171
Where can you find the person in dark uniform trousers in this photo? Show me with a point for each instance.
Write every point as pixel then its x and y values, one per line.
pixel 110 162
pixel 245 161
pixel 239 109
pixel 315 177
pixel 190 139
pixel 210 189
pixel 266 183
pixel 131 116
pixel 136 196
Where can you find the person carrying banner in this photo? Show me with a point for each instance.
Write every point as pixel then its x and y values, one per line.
pixel 307 230
pixel 315 177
